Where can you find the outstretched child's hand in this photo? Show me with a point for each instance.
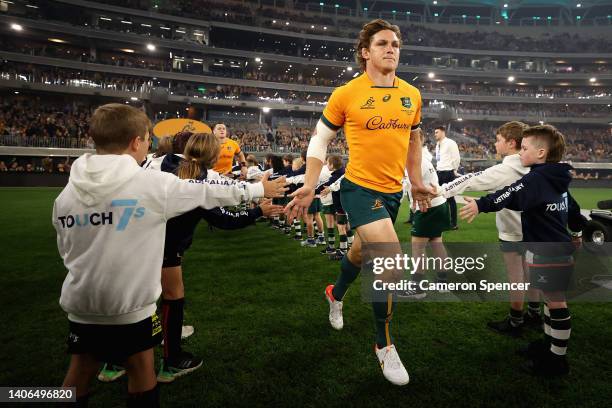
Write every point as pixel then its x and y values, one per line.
pixel 268 209
pixel 470 210
pixel 275 188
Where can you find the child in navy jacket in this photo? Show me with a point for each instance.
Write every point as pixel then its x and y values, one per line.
pixel 547 210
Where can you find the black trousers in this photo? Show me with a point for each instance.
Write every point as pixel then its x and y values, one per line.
pixel 447 176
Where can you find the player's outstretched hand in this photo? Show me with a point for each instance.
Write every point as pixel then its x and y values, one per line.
pixel 470 210
pixel 422 196
pixel 275 188
pixel 298 207
pixel 268 209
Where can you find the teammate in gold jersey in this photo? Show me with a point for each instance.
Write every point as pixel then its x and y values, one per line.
pixel 381 115
pixel 229 149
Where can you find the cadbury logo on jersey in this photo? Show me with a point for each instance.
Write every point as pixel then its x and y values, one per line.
pixel 377 123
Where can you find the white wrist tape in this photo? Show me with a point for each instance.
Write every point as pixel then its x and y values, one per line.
pixel 319 141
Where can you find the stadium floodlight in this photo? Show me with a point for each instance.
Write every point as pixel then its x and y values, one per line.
pixel 349 69
pixel 511 78
pixel 57 40
pixel 257 59
pixel 126 22
pixel 505 5
pixel 150 47
pixel 325 28
pixel 133 98
pixel 593 79
pixel 106 19
pixel 459 119
pixel 431 75
pixel 321 4
pixel 287 23
pixel 311 26
pixel 145 25
pixel 273 21
pixel 16 92
pixel 435 2
pixel 265 109
pixel 578 5
pixel 16 27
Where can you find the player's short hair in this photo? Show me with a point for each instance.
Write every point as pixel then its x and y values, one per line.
pixel 217 124
pixel 441 128
pixel 366 34
pixel 336 161
pixel 114 125
pixel 201 153
pixel 512 131
pixel 550 138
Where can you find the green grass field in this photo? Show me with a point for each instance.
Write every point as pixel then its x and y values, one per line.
pixel 256 301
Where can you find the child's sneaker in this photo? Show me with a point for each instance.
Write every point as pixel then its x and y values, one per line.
pixel 310 243
pixel 183 365
pixel 506 327
pixel 547 364
pixel 110 373
pixel 416 294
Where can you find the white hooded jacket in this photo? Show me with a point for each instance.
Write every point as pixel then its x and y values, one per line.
pixel 111 222
pixel 492 179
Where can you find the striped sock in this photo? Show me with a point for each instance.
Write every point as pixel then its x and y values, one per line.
pixel 297 226
pixel 560 330
pixel 343 241
pixel 349 236
pixel 516 317
pixel 331 238
pixel 533 308
pixel 547 329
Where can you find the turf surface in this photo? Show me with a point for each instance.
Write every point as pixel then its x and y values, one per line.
pixel 256 301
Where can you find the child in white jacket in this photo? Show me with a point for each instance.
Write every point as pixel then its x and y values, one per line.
pixel 427 227
pixel 508 143
pixel 110 221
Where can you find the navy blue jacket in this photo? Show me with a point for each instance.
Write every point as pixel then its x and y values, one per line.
pixel 336 174
pixel 180 230
pixel 546 204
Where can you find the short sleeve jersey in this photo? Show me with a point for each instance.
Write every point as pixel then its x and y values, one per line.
pixel 229 149
pixel 377 123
